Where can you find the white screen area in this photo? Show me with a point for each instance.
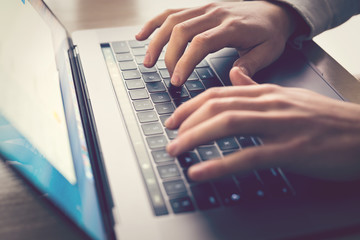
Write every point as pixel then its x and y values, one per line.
pixel 30 97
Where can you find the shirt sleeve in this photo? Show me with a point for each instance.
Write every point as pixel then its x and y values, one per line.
pixel 321 15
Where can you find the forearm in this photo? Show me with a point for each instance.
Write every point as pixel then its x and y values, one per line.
pixel 321 15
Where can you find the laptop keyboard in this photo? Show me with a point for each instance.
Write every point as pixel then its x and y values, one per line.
pixel 147 93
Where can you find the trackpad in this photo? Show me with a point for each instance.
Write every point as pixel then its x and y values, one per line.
pixel 290 70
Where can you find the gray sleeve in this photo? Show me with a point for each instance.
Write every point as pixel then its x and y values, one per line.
pixel 321 15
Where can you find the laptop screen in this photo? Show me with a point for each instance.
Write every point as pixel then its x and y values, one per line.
pixel 41 133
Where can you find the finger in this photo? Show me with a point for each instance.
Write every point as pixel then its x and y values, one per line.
pixel 154 23
pixel 258 58
pixel 222 125
pixel 161 38
pixel 240 77
pixel 183 33
pixel 193 104
pixel 216 106
pixel 201 45
pixel 244 161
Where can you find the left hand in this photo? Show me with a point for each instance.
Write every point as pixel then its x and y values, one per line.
pixel 302 131
pixel 257 29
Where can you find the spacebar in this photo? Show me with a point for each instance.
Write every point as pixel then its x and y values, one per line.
pixel 143 158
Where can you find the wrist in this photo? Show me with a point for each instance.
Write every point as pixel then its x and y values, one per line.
pixel 293 22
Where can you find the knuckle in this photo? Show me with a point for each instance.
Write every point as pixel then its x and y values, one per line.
pixel 229 119
pixel 271 88
pixel 172 19
pixel 234 24
pixel 211 6
pixel 180 28
pixel 218 11
pixel 274 102
pixel 212 93
pixel 168 11
pixel 201 39
pixel 213 105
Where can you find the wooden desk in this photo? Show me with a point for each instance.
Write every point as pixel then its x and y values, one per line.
pixel 23 212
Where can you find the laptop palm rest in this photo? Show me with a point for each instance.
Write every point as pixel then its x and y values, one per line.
pixel 290 70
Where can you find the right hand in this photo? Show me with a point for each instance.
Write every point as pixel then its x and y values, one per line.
pixel 258 30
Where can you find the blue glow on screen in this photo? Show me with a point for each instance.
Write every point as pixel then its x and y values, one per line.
pixel 77 198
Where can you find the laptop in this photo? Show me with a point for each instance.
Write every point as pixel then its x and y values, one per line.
pixel 82 121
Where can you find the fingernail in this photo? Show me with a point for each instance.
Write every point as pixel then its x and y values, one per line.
pixel 147 58
pixel 169 122
pixel 175 80
pixel 243 70
pixel 172 147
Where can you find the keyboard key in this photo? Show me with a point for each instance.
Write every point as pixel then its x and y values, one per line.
pixel 135 84
pixel 120 47
pixel 194 86
pixel 188 159
pixel 185 171
pixel 203 63
pixel 161 65
pixel 274 183
pixel 152 129
pixel 208 152
pixel 204 195
pixel 180 101
pixel 246 142
pixel 164 73
pixel 228 152
pixel 164 108
pixel 160 97
pixel 156 142
pixel 155 87
pixel 212 83
pixel 148 116
pixel 128 65
pixel 251 187
pixel 142 105
pixel 138 94
pixel 167 82
pixel 180 205
pixel 171 133
pixel 162 56
pixel 144 69
pixel 162 156
pixel 151 77
pixel 178 92
pixel 137 44
pixel 195 93
pixel 209 143
pixel 205 73
pixel 175 187
pixel 228 191
pixel 163 118
pixel 168 171
pixel 132 74
pixel 193 77
pixel 139 51
pixel 121 57
pixel 139 59
pixel 228 143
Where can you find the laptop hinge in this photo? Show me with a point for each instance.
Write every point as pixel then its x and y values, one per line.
pixel 90 131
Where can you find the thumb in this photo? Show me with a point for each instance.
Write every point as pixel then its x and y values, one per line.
pixel 238 77
pixel 253 61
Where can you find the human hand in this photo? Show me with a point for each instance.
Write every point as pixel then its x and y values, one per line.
pixel 302 131
pixel 257 29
